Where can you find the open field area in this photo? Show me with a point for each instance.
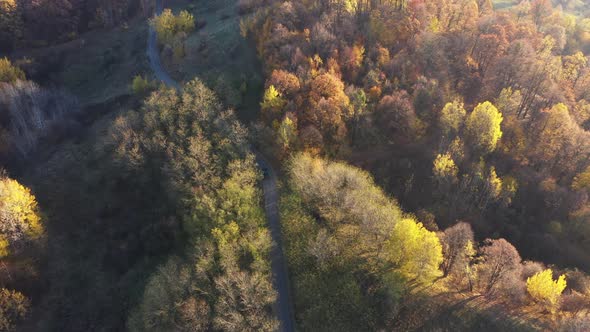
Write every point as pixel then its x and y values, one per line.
pixel 96 67
pixel 217 54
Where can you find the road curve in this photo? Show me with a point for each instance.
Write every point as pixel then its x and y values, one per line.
pixel 154 54
pixel 271 198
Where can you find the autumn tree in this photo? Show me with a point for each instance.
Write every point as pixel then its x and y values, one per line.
pixel 284 82
pixel 10 73
pixel 444 172
pixel 272 103
pixel 14 307
pixel 328 106
pixel 457 244
pixel 500 262
pixel 396 116
pixel 20 221
pixel 483 127
pixel 287 133
pixel 452 117
pixel 170 27
pixel 542 288
pixel 444 168
pixel 415 251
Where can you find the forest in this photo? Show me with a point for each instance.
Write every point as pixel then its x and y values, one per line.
pixel 294 165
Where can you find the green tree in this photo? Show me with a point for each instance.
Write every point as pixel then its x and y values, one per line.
pixel 483 127
pixel 544 289
pixel 141 85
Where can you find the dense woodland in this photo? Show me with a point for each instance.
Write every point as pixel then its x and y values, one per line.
pixel 433 159
pixel 461 111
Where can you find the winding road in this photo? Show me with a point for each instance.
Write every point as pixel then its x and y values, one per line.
pixel 271 198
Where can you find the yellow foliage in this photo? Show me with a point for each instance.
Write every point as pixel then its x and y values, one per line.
pixel 494 183
pixel 582 180
pixel 168 26
pixel 452 117
pixel 444 167
pixel 543 288
pixel 4 251
pixel 272 100
pixel 18 209
pixel 287 132
pixel 226 234
pixel 483 127
pixel 141 85
pixel 415 251
pixel 10 73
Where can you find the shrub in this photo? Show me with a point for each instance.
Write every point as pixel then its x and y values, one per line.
pixel 141 85
pixel 10 73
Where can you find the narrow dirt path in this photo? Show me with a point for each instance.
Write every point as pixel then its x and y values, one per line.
pixel 271 198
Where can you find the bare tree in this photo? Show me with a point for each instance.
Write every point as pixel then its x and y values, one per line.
pixel 500 262
pixel 455 240
pixel 31 112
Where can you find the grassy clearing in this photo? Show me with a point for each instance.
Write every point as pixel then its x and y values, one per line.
pixel 96 67
pixel 218 55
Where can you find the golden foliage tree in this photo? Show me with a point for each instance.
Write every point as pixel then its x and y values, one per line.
pixel 452 117
pixel 483 127
pixel 416 251
pixel 543 289
pixel 168 26
pixel 10 73
pixel 19 216
pixel 444 167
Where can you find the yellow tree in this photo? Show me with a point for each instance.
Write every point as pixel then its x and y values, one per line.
pixel 582 180
pixel 543 289
pixel 452 117
pixel 444 167
pixel 272 103
pixel 415 251
pixel 19 218
pixel 169 26
pixel 287 133
pixel 483 127
pixel 8 72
